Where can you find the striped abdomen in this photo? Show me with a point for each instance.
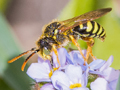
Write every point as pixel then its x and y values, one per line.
pixel 90 29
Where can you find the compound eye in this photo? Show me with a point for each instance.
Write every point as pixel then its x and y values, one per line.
pixel 46 51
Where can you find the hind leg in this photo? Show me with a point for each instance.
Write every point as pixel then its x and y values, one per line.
pixel 90 43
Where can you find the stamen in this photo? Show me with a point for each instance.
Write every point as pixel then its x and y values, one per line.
pixel 77 85
pixel 54 69
pixel 50 74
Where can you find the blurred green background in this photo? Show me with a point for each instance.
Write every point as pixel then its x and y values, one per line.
pixel 21 24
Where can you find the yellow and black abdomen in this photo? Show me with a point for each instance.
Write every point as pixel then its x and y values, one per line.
pixel 90 29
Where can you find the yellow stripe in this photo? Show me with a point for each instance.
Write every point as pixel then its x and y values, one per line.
pixel 92 35
pixel 102 33
pixel 85 35
pixel 81 26
pixel 95 28
pixel 89 26
pixel 100 30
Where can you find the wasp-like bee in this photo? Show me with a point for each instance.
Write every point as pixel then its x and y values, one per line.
pixel 58 33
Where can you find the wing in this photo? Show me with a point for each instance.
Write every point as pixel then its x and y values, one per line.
pixel 89 16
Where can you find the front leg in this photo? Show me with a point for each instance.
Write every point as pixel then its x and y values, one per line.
pixel 56 53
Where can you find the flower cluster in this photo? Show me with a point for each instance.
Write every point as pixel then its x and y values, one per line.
pixel 73 74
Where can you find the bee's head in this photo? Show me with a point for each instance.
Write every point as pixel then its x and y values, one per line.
pixel 45 46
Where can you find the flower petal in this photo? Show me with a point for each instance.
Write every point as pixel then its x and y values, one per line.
pixel 111 74
pixel 113 84
pixel 100 84
pixel 76 57
pixel 74 73
pixel 107 64
pixel 47 86
pixel 40 60
pixel 60 80
pixel 85 78
pixel 39 72
pixel 62 53
pixel 44 62
pixel 81 88
pixel 96 64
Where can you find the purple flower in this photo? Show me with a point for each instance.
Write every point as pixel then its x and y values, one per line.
pixel 73 78
pixel 109 73
pixel 104 70
pixel 77 59
pixel 42 71
pixel 99 67
pixel 73 74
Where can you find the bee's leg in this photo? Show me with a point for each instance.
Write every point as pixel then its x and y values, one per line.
pixel 23 66
pixel 78 46
pixel 51 62
pixel 22 54
pixel 56 53
pixel 90 43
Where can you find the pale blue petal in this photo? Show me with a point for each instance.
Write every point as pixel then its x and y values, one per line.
pixel 100 84
pixel 82 88
pixel 85 78
pixel 62 53
pixel 107 64
pixel 40 60
pixel 47 86
pixel 76 57
pixel 111 74
pixel 96 64
pixel 62 86
pixel 60 80
pixel 74 73
pixel 113 84
pixel 39 72
pixel 44 62
pixel 96 72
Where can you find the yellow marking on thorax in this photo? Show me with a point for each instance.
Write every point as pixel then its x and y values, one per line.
pixel 56 31
pixel 54 37
pixel 89 26
pixel 95 28
pixel 100 30
pixel 81 26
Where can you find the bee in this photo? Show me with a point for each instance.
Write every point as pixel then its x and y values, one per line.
pixel 58 33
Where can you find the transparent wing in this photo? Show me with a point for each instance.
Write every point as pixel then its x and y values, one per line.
pixel 89 16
